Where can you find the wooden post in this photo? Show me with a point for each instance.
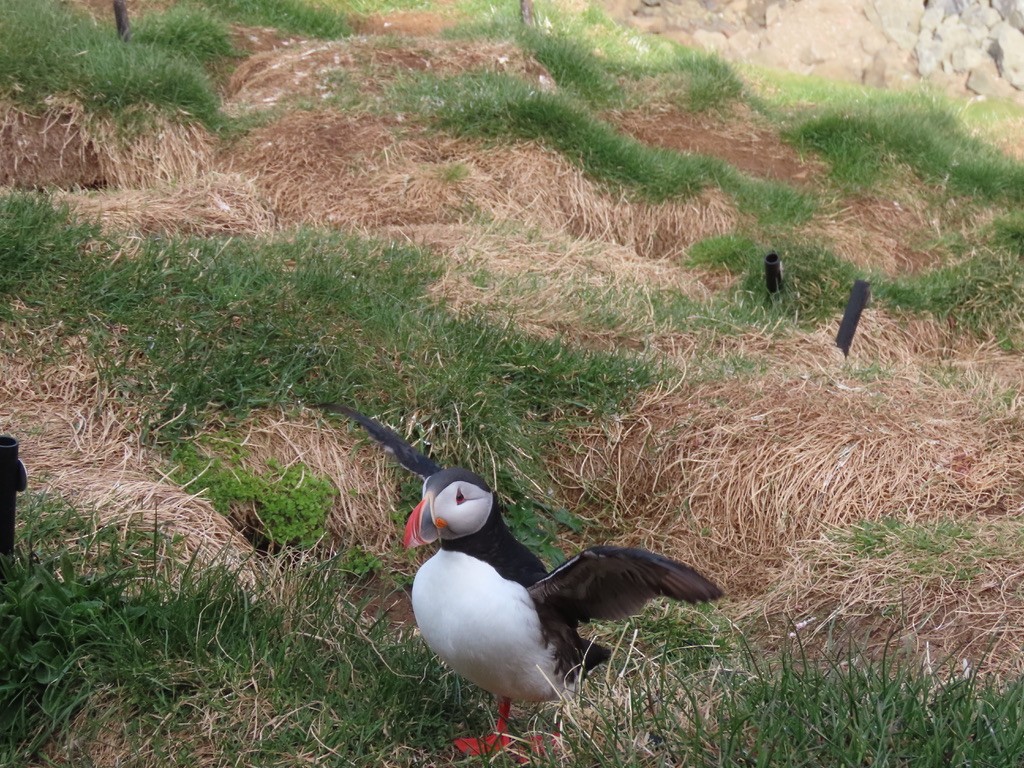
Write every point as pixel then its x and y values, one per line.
pixel 526 9
pixel 124 31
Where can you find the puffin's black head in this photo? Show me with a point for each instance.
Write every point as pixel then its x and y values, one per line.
pixel 456 503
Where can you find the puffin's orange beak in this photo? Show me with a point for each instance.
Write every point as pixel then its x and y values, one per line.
pixel 419 528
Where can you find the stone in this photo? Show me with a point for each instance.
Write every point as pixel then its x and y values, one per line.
pixel 772 14
pixel 872 42
pixel 839 69
pixel 1009 54
pixel 967 59
pixel 899 20
pixel 949 7
pixel 984 80
pixel 1012 11
pixel 929 56
pixel 980 17
pixel 710 41
pixel 931 18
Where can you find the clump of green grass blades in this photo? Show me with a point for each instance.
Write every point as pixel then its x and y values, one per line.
pixel 49 49
pixel 861 144
pixel 292 16
pixel 186 31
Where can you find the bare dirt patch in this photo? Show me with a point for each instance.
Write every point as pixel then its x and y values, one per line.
pixel 881 233
pixel 48 149
pixel 411 23
pixel 737 139
pixel 63 146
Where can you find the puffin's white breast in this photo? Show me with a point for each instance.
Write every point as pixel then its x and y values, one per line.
pixel 484 627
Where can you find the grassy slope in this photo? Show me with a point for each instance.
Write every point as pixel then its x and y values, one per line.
pixel 295 669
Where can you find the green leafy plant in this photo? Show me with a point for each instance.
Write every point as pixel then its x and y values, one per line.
pixel 290 502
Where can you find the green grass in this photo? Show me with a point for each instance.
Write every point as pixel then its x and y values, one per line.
pixel 189 32
pixel 106 631
pixel 50 50
pixel 503 107
pixel 866 143
pixel 288 16
pixel 983 295
pixel 190 327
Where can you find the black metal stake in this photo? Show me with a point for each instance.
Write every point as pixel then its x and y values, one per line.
pixel 12 481
pixel 859 296
pixel 773 272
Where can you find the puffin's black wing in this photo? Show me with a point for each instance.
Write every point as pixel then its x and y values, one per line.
pixel 616 582
pixel 407 456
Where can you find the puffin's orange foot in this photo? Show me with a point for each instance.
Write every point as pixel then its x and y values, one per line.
pixel 499 741
pixel 485 746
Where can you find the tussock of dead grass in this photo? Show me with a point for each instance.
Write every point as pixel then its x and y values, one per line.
pixel 307 70
pixel 729 475
pixel 65 147
pixel 213 204
pixel 361 512
pixel 75 442
pixel 965 599
pixel 878 233
pixel 547 283
pixel 350 171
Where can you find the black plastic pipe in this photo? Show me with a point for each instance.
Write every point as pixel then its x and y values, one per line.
pixel 773 272
pixel 12 481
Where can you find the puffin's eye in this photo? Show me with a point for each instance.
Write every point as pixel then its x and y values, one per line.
pixel 459 498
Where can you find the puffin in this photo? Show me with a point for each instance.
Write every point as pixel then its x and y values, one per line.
pixel 489 608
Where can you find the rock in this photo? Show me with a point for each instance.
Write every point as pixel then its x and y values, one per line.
pixel 653 25
pixel 929 56
pixel 980 17
pixel 899 19
pixel 839 69
pixel 872 41
pixel 931 18
pixel 984 80
pixel 710 41
pixel 772 14
pixel 1012 11
pixel 1009 54
pixel 967 59
pixel 949 7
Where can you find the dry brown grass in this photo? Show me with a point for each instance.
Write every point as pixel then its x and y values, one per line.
pixel 64 147
pixel 213 204
pixel 76 441
pixel 315 69
pixel 352 171
pixel 729 476
pixel 551 284
pixel 958 593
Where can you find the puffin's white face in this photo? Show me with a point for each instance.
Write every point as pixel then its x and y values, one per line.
pixel 461 508
pixel 455 503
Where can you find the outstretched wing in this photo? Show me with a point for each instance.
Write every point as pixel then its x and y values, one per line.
pixel 407 456
pixel 616 582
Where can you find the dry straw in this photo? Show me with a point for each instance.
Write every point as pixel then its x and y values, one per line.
pixel 729 476
pixel 352 171
pixel 213 204
pixel 317 70
pixel 76 441
pixel 66 147
pixel 952 598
